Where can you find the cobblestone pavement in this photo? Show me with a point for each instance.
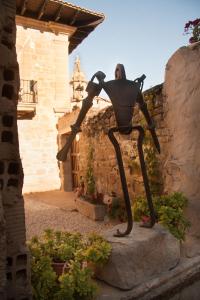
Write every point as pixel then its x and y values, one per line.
pixel 55 209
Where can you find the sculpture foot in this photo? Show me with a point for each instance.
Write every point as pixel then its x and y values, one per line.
pixel 121 234
pixel 148 224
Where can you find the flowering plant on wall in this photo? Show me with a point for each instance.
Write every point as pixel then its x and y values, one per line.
pixel 193 27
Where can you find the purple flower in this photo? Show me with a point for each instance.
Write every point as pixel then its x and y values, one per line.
pixel 192 40
pixel 196 22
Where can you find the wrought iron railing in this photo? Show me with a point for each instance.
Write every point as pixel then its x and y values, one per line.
pixel 28 91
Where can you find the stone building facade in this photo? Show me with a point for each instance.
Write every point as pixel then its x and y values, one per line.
pixel 46 35
pixel 43 58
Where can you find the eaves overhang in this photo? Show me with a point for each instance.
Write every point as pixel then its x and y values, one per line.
pixel 62 13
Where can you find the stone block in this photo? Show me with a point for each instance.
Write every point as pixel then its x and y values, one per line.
pixel 2 251
pixel 95 212
pixel 140 256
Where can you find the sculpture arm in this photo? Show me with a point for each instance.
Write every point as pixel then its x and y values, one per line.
pixel 143 108
pixel 151 125
pixel 93 90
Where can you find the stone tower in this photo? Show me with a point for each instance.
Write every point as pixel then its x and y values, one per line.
pixel 78 82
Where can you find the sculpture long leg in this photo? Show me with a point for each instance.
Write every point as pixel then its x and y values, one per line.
pixel 144 175
pixel 123 182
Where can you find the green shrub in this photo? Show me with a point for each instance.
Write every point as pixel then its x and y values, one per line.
pixel 90 180
pixel 97 250
pixel 77 252
pixel 42 277
pixel 117 210
pixel 169 209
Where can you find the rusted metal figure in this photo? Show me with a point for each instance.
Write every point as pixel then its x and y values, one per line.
pixel 124 94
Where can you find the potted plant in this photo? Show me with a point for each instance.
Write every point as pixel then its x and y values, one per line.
pixel 90 202
pixel 170 212
pixel 77 255
pixel 59 246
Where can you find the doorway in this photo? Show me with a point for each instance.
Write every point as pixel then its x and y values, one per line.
pixel 69 169
pixel 66 168
pixel 75 162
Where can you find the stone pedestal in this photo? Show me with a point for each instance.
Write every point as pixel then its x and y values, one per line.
pixel 144 254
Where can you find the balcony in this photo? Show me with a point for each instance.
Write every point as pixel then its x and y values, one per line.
pixel 27 101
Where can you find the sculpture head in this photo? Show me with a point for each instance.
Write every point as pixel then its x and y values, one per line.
pixel 120 72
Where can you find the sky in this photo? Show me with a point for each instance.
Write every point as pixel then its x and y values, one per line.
pixel 142 35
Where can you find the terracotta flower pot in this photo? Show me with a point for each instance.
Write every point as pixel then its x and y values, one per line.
pixel 59 267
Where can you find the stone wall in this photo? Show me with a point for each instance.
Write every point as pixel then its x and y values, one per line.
pixel 182 156
pixel 14 262
pixel 43 57
pixel 94 135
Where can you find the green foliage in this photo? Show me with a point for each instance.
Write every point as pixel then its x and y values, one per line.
pixel 169 210
pixel 67 287
pixel 90 180
pixel 150 152
pixel 42 277
pixel 59 246
pixel 76 284
pixel 153 171
pixel 98 250
pixel 152 165
pixel 116 210
pixel 78 252
pixel 84 287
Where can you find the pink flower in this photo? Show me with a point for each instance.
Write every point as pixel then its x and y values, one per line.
pixel 145 219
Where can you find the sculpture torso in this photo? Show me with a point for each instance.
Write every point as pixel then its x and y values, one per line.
pixel 123 95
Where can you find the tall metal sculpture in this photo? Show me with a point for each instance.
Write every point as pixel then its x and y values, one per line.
pixel 124 94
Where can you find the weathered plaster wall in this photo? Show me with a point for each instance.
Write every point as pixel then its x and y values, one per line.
pixel 43 57
pixel 182 161
pixel 14 263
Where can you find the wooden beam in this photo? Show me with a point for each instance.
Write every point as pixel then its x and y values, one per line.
pixel 45 26
pixel 91 24
pixel 74 38
pixel 58 14
pixel 42 9
pixel 74 18
pixel 24 7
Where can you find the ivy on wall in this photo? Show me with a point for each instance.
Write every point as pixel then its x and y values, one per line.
pixel 90 180
pixel 150 152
